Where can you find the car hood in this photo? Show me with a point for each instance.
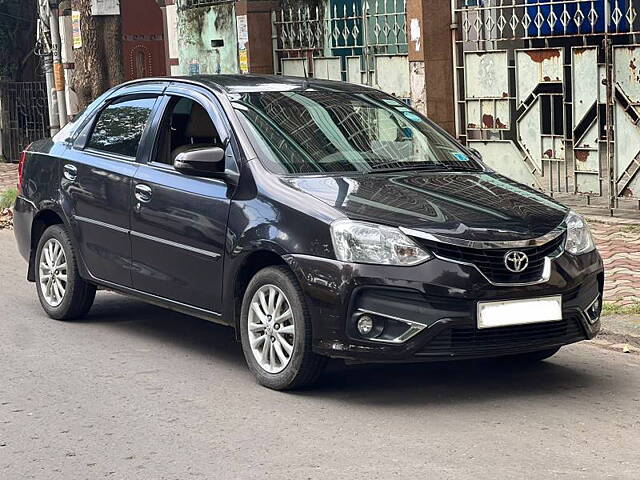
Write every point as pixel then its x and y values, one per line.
pixel 482 206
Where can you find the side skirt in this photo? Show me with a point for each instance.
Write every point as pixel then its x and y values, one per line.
pixel 158 301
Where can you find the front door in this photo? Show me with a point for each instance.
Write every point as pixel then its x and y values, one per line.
pixel 179 223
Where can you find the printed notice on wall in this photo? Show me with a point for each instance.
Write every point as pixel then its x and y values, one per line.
pixel 244 60
pixel 243 31
pixel 75 27
pixel 243 40
pixel 105 7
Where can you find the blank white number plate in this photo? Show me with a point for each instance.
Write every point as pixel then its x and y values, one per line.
pixel 519 312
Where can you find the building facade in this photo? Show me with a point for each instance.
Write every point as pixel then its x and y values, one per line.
pixel 546 90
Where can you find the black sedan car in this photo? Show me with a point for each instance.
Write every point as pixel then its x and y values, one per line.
pixel 319 219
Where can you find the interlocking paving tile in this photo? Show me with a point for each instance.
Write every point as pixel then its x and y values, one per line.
pixel 619 245
pixel 8 176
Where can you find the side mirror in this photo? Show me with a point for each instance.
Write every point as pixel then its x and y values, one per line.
pixel 201 162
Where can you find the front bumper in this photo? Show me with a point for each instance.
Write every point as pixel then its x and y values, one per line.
pixel 443 297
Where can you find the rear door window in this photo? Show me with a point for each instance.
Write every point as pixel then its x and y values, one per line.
pixel 120 126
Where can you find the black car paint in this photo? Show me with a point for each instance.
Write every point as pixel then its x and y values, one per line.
pixel 191 247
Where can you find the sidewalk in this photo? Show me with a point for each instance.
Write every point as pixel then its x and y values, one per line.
pixel 619 244
pixel 8 176
pixel 8 180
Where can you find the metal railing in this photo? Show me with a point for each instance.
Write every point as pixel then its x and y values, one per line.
pixel 24 116
pixel 379 25
pixel 483 20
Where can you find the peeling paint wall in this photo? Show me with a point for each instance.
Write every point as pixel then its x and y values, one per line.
pixel 418 86
pixel 172 37
pixel 207 41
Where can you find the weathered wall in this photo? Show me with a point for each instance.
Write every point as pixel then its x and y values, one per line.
pixel 196 29
pixel 415 29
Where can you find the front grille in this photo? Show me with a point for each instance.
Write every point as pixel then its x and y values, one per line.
pixel 468 341
pixel 490 261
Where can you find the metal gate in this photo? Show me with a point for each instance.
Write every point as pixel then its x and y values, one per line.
pixel 357 41
pixel 549 93
pixel 24 116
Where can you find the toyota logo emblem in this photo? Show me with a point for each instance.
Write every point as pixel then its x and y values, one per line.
pixel 516 261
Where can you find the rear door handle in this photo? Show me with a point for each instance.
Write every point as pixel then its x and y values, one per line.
pixel 143 193
pixel 70 172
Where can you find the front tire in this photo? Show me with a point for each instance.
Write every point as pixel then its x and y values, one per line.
pixel 275 329
pixel 63 294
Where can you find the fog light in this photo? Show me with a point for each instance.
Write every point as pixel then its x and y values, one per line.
pixel 594 310
pixel 365 325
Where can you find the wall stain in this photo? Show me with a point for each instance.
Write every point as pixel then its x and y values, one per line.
pixel 540 56
pixel 581 155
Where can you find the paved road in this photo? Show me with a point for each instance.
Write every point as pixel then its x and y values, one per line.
pixel 136 392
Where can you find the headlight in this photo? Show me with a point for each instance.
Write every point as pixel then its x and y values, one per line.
pixel 579 238
pixel 361 242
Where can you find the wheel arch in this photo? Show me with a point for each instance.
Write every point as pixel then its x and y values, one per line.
pixel 250 265
pixel 43 220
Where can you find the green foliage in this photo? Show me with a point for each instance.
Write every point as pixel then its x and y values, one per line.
pixel 8 198
pixel 613 309
pixel 630 228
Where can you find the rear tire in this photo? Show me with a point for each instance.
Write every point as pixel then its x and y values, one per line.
pixel 63 294
pixel 275 329
pixel 532 357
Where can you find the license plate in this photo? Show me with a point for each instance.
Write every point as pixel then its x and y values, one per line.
pixel 519 312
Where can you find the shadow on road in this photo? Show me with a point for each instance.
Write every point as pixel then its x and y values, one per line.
pixel 563 376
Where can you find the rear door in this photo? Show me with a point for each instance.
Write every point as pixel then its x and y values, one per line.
pixel 97 182
pixel 179 223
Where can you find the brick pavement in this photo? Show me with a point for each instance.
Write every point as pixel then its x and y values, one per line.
pixel 8 176
pixel 619 245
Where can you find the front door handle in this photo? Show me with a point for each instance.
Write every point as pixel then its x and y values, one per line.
pixel 70 172
pixel 143 193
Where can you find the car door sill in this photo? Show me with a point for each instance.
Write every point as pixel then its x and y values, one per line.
pixel 162 301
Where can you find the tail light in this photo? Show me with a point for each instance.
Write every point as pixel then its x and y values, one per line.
pixel 23 159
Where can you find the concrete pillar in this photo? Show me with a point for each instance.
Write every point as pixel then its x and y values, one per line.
pixel 415 31
pixel 170 18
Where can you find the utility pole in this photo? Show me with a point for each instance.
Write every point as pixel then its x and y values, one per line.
pixel 44 50
pixel 58 67
pixel 68 57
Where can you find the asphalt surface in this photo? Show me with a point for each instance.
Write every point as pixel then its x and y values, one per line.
pixel 137 392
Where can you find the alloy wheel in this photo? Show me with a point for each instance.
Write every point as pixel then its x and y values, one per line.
pixel 53 272
pixel 271 328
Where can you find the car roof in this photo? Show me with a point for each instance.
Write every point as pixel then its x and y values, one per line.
pixel 231 84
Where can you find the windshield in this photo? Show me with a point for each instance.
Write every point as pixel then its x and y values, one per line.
pixel 335 132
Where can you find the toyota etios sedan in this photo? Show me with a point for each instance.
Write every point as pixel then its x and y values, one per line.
pixel 319 219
